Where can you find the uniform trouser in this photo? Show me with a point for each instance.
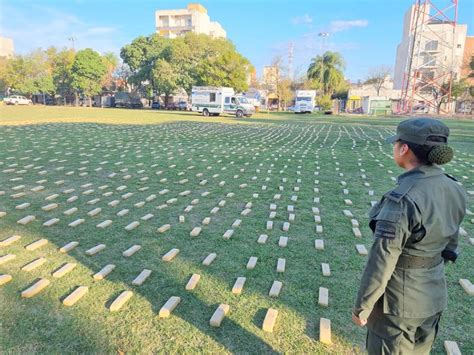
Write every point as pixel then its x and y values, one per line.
pixel 388 334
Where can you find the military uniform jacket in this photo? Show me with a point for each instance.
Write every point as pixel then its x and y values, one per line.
pixel 419 218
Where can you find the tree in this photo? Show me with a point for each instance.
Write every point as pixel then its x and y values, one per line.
pixel 165 77
pixel 62 74
pixel 341 91
pixel 285 92
pixel 195 59
pixel 222 65
pixel 440 94
pixel 28 74
pixel 111 63
pixel 326 71
pixel 140 57
pixel 123 74
pixel 377 77
pixel 88 71
pixel 324 102
pixel 3 70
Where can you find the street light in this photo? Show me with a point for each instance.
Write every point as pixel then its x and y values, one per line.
pixel 323 36
pixel 72 39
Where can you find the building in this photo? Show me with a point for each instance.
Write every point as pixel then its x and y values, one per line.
pixel 465 103
pixel 440 50
pixel 6 47
pixel 175 23
pixel 271 74
pixel 358 94
pixel 468 57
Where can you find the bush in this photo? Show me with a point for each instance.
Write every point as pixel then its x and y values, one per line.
pixel 324 102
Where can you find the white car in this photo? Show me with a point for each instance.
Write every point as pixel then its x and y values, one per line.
pixel 17 100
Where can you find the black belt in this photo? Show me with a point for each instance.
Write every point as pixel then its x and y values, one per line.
pixel 418 262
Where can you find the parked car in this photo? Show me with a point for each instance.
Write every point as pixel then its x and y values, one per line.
pixel 171 106
pixel 184 106
pixel 420 108
pixel 17 100
pixel 155 105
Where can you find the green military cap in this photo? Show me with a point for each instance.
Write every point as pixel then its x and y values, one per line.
pixel 420 131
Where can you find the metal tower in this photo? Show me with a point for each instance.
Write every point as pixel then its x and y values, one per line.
pixel 429 69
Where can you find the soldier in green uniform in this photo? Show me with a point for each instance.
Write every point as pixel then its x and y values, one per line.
pixel 403 289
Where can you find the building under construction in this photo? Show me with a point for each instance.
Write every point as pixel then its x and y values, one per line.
pixel 429 56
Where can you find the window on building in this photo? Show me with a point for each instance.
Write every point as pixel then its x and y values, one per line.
pixel 424 84
pixel 427 75
pixel 165 21
pixel 429 60
pixel 212 97
pixel 459 46
pixel 431 45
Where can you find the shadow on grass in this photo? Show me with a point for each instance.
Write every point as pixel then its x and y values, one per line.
pixel 35 325
pixel 43 324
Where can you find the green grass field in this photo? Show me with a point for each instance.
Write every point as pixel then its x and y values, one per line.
pixel 160 163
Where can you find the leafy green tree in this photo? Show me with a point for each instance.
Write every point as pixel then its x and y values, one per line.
pixel 285 92
pixel 29 74
pixel 140 56
pixel 324 102
pixel 165 77
pixel 327 71
pixel 221 65
pixel 88 71
pixel 3 70
pixel 194 59
pixel 62 74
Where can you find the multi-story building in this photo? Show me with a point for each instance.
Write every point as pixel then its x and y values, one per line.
pixel 271 75
pixel 6 47
pixel 466 71
pixel 175 23
pixel 440 48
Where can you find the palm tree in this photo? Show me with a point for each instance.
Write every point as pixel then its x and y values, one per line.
pixel 326 71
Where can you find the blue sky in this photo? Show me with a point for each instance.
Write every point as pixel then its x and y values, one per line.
pixel 365 32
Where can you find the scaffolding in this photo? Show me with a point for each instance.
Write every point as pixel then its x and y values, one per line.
pixel 429 73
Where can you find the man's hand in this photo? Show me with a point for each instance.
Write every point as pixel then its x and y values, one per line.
pixel 358 321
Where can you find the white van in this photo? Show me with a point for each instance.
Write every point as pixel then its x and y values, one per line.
pixel 305 101
pixel 212 101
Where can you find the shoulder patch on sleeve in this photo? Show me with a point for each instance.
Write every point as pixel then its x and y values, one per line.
pixel 391 213
pixel 386 223
pixel 385 229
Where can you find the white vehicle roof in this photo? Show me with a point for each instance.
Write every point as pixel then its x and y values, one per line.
pixel 303 93
pixel 212 88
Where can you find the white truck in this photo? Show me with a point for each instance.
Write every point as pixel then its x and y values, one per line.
pixel 212 101
pixel 17 100
pixel 305 101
